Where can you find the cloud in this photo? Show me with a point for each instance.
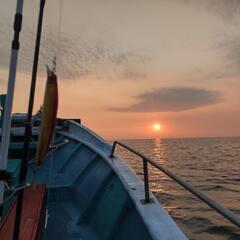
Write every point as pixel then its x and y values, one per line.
pixel 172 99
pixel 77 58
pixel 231 47
pixel 228 10
pixel 228 38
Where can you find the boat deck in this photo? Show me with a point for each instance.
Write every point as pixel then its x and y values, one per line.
pixel 86 199
pixel 89 196
pixel 93 197
pixel 32 216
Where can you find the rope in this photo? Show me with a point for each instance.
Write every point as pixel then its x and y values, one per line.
pixel 14 190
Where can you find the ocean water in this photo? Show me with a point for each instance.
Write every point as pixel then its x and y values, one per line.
pixel 211 164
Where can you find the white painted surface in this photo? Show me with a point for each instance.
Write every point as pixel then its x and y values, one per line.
pixel 8 107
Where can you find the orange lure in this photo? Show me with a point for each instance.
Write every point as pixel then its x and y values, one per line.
pixel 49 115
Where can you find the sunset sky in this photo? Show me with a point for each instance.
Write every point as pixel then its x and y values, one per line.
pixel 126 65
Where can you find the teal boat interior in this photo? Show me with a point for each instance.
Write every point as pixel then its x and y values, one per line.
pixel 89 194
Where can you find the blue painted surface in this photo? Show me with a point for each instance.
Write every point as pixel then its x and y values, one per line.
pixel 86 199
pixel 92 197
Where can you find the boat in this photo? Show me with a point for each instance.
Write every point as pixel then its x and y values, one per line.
pixel 89 194
pixel 79 188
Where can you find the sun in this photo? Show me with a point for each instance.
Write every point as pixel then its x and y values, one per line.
pixel 156 127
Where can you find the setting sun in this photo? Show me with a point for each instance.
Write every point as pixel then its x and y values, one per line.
pixel 156 126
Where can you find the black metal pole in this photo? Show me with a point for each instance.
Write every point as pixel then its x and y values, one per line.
pixel 146 180
pixel 28 127
pixel 113 149
pixel 2 104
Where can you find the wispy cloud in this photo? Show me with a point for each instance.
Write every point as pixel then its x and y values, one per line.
pixel 226 9
pixel 231 48
pixel 227 42
pixel 172 99
pixel 77 58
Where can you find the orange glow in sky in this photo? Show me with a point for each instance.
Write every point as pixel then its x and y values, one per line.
pixel 123 84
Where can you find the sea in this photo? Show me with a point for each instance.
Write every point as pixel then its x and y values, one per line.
pixel 210 164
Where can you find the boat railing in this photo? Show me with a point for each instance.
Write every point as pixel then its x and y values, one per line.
pixel 226 213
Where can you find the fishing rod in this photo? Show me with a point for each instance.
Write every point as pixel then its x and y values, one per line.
pixel 9 100
pixel 28 127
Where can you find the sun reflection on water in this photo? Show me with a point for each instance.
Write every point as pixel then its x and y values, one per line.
pixel 158 151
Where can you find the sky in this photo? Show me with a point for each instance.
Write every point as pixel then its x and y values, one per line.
pixel 125 65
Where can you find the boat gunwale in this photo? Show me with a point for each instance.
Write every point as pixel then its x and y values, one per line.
pixel 157 220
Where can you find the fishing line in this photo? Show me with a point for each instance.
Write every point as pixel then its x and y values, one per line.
pixel 60 20
pixel 54 68
pixel 57 54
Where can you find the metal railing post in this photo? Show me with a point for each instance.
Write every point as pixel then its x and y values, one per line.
pixel 146 180
pixel 113 149
pixel 226 213
pixel 2 104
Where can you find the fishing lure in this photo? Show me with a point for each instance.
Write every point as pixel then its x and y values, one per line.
pixel 49 115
